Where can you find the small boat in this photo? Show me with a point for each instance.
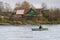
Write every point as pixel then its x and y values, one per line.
pixel 37 29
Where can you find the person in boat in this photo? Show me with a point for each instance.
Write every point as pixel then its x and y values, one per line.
pixel 40 27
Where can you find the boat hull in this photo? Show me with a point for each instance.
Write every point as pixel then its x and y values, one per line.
pixel 37 29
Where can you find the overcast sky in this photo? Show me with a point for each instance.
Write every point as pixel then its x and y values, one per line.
pixel 36 3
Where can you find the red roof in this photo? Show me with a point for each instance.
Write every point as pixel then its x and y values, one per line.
pixel 26 10
pixel 37 10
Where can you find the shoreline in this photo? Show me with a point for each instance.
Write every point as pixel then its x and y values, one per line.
pixel 7 24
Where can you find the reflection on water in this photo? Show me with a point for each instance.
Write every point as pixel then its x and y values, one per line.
pixel 24 32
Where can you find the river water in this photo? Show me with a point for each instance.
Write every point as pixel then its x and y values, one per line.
pixel 24 32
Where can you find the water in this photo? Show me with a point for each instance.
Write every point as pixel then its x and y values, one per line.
pixel 24 32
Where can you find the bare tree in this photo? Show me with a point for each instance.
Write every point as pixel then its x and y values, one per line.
pixel 17 6
pixel 1 7
pixel 25 5
pixel 44 6
pixel 7 7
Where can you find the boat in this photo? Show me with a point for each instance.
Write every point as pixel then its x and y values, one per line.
pixel 38 29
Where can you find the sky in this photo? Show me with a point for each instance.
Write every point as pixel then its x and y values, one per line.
pixel 36 3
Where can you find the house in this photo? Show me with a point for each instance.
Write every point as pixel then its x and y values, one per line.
pixel 19 13
pixel 29 13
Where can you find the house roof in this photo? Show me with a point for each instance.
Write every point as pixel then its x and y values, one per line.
pixel 20 12
pixel 24 11
pixel 37 10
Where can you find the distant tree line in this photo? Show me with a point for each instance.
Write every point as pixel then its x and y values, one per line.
pixel 50 15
